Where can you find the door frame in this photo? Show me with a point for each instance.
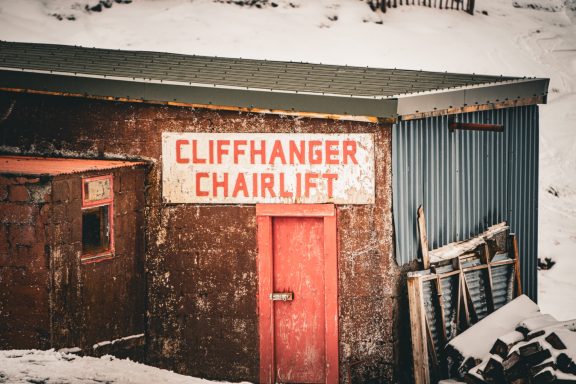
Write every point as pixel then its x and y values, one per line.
pixel 264 215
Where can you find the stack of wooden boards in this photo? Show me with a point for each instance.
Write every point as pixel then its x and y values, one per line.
pixel 516 344
pixel 460 285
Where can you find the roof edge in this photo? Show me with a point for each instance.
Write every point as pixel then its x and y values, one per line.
pixel 535 90
pixel 70 85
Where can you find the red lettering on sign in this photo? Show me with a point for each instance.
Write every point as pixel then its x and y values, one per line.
pixel 221 149
pixel 255 184
pixel 308 183
pixel 199 176
pixel 283 191
pixel 277 153
pixel 298 185
pixel 315 152
pixel 179 158
pixel 349 151
pixel 237 150
pixel 267 184
pixel 330 177
pixel 211 151
pixel 297 153
pixel 220 184
pixel 331 152
pixel 240 186
pixel 260 152
pixel 195 158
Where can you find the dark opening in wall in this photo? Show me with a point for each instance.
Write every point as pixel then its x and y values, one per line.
pixel 95 230
pixel 97 218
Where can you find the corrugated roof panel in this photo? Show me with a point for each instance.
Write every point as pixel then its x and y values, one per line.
pixel 39 166
pixel 105 73
pixel 228 71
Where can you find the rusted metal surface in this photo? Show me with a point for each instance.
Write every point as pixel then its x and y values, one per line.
pixel 38 166
pixel 201 260
pixel 313 115
pixel 52 301
pixel 24 263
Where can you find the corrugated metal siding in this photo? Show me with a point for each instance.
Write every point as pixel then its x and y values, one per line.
pixel 467 181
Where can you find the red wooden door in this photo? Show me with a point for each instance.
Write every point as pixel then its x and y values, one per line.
pixel 297 254
pixel 298 267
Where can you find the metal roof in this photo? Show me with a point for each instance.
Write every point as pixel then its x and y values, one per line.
pixel 41 166
pixel 244 83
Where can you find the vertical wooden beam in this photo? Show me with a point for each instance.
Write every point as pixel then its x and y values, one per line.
pixel 516 265
pixel 331 298
pixel 464 297
pixel 442 315
pixel 423 238
pixel 265 308
pixel 418 331
pixel 490 286
pixel 432 348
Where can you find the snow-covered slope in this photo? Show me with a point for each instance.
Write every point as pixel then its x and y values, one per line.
pixel 520 37
pixel 50 367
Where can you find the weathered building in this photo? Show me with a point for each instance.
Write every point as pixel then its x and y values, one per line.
pixel 72 266
pixel 278 196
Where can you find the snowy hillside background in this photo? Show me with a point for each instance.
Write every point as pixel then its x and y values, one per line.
pixel 517 38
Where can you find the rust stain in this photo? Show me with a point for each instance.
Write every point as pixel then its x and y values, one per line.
pixel 369 119
pixel 25 165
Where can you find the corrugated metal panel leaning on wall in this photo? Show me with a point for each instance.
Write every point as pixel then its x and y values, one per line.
pixel 467 181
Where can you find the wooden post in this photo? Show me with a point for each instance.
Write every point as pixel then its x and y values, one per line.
pixel 516 265
pixel 489 292
pixel 423 238
pixel 418 331
pixel 432 347
pixel 442 315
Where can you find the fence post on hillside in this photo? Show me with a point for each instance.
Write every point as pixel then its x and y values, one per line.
pixel 471 6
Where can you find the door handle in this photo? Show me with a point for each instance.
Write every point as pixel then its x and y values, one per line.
pixel 282 296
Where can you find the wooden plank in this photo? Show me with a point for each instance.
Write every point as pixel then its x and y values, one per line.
pixel 295 210
pixel 474 268
pixel 516 265
pixel 442 315
pixel 331 298
pixel 265 287
pixel 423 238
pixel 468 305
pixel 501 262
pixel 418 331
pixel 489 294
pixel 452 250
pixel 431 348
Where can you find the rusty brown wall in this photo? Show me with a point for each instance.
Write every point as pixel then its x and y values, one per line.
pixel 103 301
pixel 24 264
pixel 201 260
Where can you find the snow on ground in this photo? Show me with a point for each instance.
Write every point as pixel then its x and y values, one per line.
pixel 50 367
pixel 503 39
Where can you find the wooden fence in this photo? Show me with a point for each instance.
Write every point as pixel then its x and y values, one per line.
pixel 464 5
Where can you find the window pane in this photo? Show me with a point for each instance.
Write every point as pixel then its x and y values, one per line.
pixel 95 230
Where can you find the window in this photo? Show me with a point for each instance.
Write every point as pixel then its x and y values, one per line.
pixel 97 219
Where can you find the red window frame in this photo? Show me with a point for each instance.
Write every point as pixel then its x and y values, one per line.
pixel 108 253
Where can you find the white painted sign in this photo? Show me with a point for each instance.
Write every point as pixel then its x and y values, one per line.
pixel 249 168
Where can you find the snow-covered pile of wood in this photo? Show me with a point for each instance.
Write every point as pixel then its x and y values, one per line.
pixel 516 344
